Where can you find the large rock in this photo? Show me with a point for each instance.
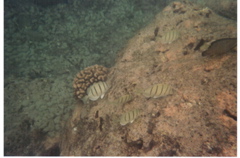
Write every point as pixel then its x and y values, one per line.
pixel 226 8
pixel 199 119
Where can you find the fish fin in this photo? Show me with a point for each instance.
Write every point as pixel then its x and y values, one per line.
pixel 109 102
pixel 85 99
pixel 138 91
pixel 113 103
pixel 102 96
pixel 123 124
pixel 93 98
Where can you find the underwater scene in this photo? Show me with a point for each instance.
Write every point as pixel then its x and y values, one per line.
pixel 120 78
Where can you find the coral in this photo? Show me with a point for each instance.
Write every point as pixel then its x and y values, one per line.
pixel 87 77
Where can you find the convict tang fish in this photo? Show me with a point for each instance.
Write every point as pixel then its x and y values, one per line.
pixel 170 36
pixel 158 90
pixel 123 99
pixel 129 116
pixel 97 90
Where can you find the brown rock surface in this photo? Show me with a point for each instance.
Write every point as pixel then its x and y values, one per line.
pixel 199 119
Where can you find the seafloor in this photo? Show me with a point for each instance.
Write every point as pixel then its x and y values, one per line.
pixel 42 117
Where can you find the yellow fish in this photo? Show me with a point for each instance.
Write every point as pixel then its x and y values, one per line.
pixel 97 90
pixel 170 36
pixel 129 117
pixel 158 90
pixel 123 99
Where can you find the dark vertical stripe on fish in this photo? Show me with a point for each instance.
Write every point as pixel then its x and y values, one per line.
pixel 134 114
pixel 100 87
pixel 166 89
pixel 121 100
pixel 105 85
pixel 124 99
pixel 127 98
pixel 130 116
pixel 126 117
pixel 169 37
pixel 161 89
pixel 169 89
pixel 156 90
pixel 91 91
pixel 151 91
pixel 95 91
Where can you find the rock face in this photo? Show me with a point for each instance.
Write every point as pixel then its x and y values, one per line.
pixel 198 119
pixel 226 8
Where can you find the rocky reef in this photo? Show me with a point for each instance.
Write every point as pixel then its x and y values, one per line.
pixel 189 47
pixel 199 119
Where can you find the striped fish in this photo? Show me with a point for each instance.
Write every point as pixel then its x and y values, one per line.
pixel 158 90
pixel 170 36
pixel 123 99
pixel 97 90
pixel 129 117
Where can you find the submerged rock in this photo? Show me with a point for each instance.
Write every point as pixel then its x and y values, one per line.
pixel 192 122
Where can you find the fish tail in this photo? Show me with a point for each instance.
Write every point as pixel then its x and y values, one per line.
pixel 137 91
pixel 85 99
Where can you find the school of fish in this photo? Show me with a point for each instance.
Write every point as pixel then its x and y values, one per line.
pixel 98 89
